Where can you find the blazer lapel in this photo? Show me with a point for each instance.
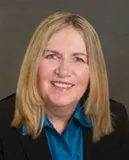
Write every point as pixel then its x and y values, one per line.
pixel 87 143
pixel 35 148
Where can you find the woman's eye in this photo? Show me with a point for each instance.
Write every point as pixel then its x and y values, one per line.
pixel 78 59
pixel 51 56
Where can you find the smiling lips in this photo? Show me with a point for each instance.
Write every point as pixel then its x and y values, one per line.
pixel 62 85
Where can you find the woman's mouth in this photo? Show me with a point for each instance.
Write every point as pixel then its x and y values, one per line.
pixel 62 85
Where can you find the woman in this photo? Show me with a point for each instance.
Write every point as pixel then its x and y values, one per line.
pixel 62 105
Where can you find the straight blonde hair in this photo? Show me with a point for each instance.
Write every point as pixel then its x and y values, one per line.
pixel 29 106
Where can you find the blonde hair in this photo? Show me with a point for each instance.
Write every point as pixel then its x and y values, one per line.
pixel 29 107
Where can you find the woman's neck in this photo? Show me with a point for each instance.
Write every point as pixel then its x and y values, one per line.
pixel 59 116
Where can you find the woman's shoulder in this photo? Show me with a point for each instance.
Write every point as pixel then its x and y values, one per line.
pixel 7 106
pixel 117 108
pixel 119 116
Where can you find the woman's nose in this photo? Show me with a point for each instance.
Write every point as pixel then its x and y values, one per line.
pixel 63 69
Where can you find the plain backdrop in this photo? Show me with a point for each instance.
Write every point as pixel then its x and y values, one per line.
pixel 19 18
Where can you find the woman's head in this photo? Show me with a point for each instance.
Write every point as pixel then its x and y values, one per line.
pixel 93 87
pixel 39 42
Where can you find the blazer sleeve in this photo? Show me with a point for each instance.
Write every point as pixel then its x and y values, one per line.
pixel 1 152
pixel 125 135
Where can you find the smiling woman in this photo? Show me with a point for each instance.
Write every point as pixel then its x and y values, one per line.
pixel 62 105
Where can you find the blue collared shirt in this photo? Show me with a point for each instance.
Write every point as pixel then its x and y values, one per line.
pixel 69 144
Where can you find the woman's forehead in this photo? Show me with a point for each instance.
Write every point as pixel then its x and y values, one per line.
pixel 67 38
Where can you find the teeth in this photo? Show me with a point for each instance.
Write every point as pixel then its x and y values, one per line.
pixel 62 85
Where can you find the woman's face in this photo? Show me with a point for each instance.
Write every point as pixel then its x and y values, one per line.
pixel 63 70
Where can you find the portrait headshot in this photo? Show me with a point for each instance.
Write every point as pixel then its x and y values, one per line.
pixel 62 108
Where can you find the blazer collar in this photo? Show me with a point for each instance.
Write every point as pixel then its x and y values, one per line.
pixel 87 143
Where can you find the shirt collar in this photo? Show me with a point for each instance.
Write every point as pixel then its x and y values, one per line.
pixel 81 117
pixel 47 123
pixel 24 131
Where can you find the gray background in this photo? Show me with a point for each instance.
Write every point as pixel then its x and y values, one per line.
pixel 19 18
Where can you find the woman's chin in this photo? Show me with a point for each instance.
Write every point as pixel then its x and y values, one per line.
pixel 61 103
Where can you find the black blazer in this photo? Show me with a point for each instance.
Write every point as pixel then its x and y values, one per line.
pixel 13 146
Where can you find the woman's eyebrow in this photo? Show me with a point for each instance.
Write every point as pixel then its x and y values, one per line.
pixel 52 51
pixel 79 53
pixel 73 54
